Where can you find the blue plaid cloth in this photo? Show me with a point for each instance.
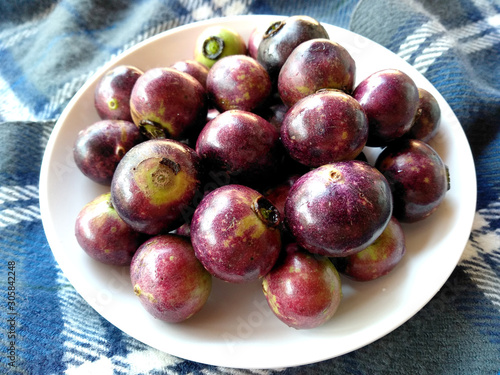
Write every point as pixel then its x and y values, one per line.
pixel 48 49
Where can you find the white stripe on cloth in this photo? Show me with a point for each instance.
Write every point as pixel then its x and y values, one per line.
pixel 13 216
pixel 18 193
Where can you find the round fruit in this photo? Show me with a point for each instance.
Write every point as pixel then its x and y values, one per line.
pixel 216 42
pixel 167 103
pixel 235 233
pixel 339 208
pixel 99 148
pixel 112 93
pixel 154 185
pixel 313 65
pixel 418 178
pixel 170 282
pixel 324 127
pixel 242 144
pixel 303 290
pixel 378 259
pixel 390 100
pixel 238 82
pixel 193 68
pixel 103 235
pixel 281 38
pixel 428 117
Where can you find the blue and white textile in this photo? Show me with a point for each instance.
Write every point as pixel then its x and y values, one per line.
pixel 49 48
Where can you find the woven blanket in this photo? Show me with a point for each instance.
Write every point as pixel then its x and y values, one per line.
pixel 48 49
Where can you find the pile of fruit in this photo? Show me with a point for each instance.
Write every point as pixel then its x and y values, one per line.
pixel 246 163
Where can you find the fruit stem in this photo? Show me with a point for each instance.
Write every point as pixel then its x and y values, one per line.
pixel 266 212
pixel 213 47
pixel 273 29
pixel 152 130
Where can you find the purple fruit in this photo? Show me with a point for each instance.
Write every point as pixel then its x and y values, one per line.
pixel 277 194
pixel 324 127
pixel 112 93
pixel 193 68
pixel 313 65
pixel 254 40
pixel 103 235
pixel 418 178
pixel 428 118
pixel 99 148
pixel 339 208
pixel 154 185
pixel 167 103
pixel 390 100
pixel 378 259
pixel 238 82
pixel 281 38
pixel 242 144
pixel 170 282
pixel 303 290
pixel 235 233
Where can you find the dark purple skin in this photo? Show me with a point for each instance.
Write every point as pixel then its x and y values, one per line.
pixel 99 148
pixel 112 93
pixel 193 68
pixel 428 118
pixel 338 209
pixel 281 38
pixel 390 100
pixel 154 185
pixel 242 144
pixel 170 282
pixel 277 194
pixel 303 290
pixel 324 127
pixel 254 40
pixel 103 235
pixel 313 65
pixel 378 259
pixel 167 103
pixel 235 233
pixel 238 82
pixel 418 178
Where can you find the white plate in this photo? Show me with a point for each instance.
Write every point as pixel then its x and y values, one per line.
pixel 236 328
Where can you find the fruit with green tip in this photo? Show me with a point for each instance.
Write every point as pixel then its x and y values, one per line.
pixel 216 42
pixel 155 184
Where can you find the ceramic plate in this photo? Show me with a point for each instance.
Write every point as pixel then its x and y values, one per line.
pixel 236 327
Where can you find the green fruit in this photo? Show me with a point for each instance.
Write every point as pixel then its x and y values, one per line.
pixel 217 42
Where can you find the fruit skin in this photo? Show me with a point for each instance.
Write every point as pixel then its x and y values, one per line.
pixel 235 233
pixel 338 209
pixel 170 282
pixel 428 117
pixel 313 65
pixel 238 82
pixel 254 40
pixel 324 127
pixel 233 44
pixel 418 178
pixel 378 259
pixel 99 148
pixel 112 92
pixel 155 184
pixel 390 100
pixel 168 103
pixel 303 290
pixel 281 38
pixel 103 235
pixel 193 68
pixel 241 144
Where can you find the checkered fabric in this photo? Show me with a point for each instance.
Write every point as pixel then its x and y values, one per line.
pixel 48 49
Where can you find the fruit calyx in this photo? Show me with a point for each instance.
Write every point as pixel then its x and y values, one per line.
pixel 153 130
pixel 273 29
pixel 213 47
pixel 266 212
